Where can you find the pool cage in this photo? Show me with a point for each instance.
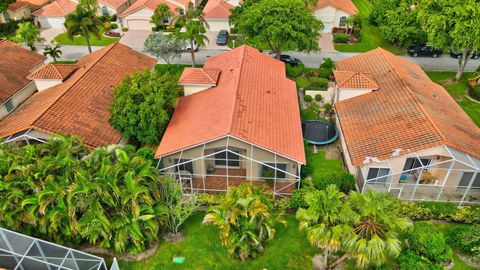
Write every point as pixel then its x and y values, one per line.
pixel 22 252
pixel 455 179
pixel 27 136
pixel 213 167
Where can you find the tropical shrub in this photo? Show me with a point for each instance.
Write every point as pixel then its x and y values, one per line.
pixel 328 63
pixel 340 38
pixel 410 260
pixel 298 197
pixel 294 71
pixel 474 92
pixel 307 98
pixel 426 240
pixel 113 26
pixel 246 219
pixel 464 238
pixel 324 72
pixel 318 97
pixel 207 199
pixel 124 29
pixel 310 113
pixel 440 211
pixel 318 83
pixel 345 182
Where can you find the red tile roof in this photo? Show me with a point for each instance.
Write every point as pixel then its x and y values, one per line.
pixel 345 5
pixel 58 8
pixel 112 3
pixel 80 104
pixel 253 101
pixel 355 80
pixel 152 5
pixel 408 112
pixel 13 75
pixel 53 72
pixel 217 9
pixel 36 3
pixel 199 76
pixel 17 5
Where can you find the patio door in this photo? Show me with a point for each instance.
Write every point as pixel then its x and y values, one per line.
pixel 465 181
pixel 187 185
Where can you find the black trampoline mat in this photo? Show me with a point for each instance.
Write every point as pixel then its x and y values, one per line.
pixel 318 131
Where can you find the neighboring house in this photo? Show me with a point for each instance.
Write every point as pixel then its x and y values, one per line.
pixel 217 12
pixel 138 16
pixel 19 10
pixel 15 88
pixel 238 122
pixel 75 99
pixel 333 13
pixel 110 7
pixel 401 133
pixel 53 14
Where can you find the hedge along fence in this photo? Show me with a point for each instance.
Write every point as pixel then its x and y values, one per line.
pixel 441 211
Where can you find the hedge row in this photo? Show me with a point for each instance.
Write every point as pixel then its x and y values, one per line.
pixel 441 211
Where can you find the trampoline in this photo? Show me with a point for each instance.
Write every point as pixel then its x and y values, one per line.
pixel 319 132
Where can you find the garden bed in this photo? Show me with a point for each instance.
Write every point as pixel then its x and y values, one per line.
pixel 62 39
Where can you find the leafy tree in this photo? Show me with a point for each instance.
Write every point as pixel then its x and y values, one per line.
pixel 4 4
pixel 452 24
pixel 166 48
pixel 237 11
pixel 281 25
pixel 195 28
pixel 53 52
pixel 247 220
pixel 89 5
pixel 83 22
pixel 161 14
pixel 325 220
pixel 143 104
pixel 28 34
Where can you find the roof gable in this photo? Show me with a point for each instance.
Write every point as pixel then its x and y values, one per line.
pixel 217 9
pixel 207 76
pixel 58 8
pixel 53 72
pixel 355 80
pixel 345 5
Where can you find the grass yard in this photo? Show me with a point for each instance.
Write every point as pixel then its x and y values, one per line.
pixel 62 39
pixel 202 250
pixel 458 90
pixel 322 166
pixel 371 36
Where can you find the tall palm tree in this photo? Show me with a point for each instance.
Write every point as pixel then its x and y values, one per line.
pixel 83 22
pixel 28 33
pixel 325 220
pixel 53 52
pixel 192 19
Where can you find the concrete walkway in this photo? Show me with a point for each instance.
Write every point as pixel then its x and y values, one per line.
pixel 49 34
pixel 326 43
pixel 135 38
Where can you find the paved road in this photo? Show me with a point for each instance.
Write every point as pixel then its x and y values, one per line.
pixel 443 63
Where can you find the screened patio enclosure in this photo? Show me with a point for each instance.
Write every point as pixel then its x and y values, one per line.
pixel 453 177
pixel 216 165
pixel 22 252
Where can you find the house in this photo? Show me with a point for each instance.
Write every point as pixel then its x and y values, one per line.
pixel 401 133
pixel 110 7
pixel 53 14
pixel 15 88
pixel 138 16
pixel 75 99
pixel 20 9
pixel 333 13
pixel 238 122
pixel 217 12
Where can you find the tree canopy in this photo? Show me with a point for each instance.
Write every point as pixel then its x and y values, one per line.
pixel 4 4
pixel 166 48
pixel 143 104
pixel 161 14
pixel 281 25
pixel 83 22
pixel 27 33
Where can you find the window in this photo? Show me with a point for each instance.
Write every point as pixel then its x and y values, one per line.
pixel 6 16
pixel 343 22
pixel 8 105
pixel 466 178
pixel 413 163
pixel 378 172
pixel 181 12
pixel 105 11
pixel 185 166
pixel 233 159
pixel 269 171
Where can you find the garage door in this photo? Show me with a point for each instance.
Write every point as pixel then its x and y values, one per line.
pixel 217 25
pixel 51 22
pixel 139 25
pixel 327 27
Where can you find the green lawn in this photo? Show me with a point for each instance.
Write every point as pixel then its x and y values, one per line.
pixel 202 250
pixel 371 36
pixel 458 90
pixel 322 166
pixel 62 39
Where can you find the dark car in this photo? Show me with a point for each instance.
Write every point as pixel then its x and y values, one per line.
pixel 458 55
pixel 222 38
pixel 287 59
pixel 423 50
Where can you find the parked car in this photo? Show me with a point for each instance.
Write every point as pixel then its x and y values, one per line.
pixel 458 55
pixel 222 38
pixel 186 46
pixel 423 50
pixel 287 59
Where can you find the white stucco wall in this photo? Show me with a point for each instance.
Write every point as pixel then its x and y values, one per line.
pixel 19 97
pixel 346 93
pixel 23 13
pixel 44 84
pixel 140 20
pixel 330 16
pixel 192 89
pixel 51 22
pixel 218 24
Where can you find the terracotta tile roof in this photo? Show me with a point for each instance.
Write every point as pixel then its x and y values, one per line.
pixel 80 104
pixel 13 76
pixel 112 3
pixel 152 5
pixel 17 5
pixel 253 101
pixel 53 72
pixel 217 9
pixel 345 5
pixel 200 76
pixel 58 8
pixel 36 3
pixel 355 80
pixel 408 112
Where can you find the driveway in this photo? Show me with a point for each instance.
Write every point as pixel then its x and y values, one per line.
pixel 49 34
pixel 326 43
pixel 212 45
pixel 135 38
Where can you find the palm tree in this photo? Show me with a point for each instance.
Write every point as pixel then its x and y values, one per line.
pixel 83 22
pixel 161 14
pixel 53 52
pixel 325 220
pixel 27 33
pixel 195 27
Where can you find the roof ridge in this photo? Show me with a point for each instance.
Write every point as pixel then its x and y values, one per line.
pixel 353 73
pixel 237 86
pixel 60 6
pixel 107 49
pixel 206 74
pixel 410 92
pixel 368 79
pixel 56 69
